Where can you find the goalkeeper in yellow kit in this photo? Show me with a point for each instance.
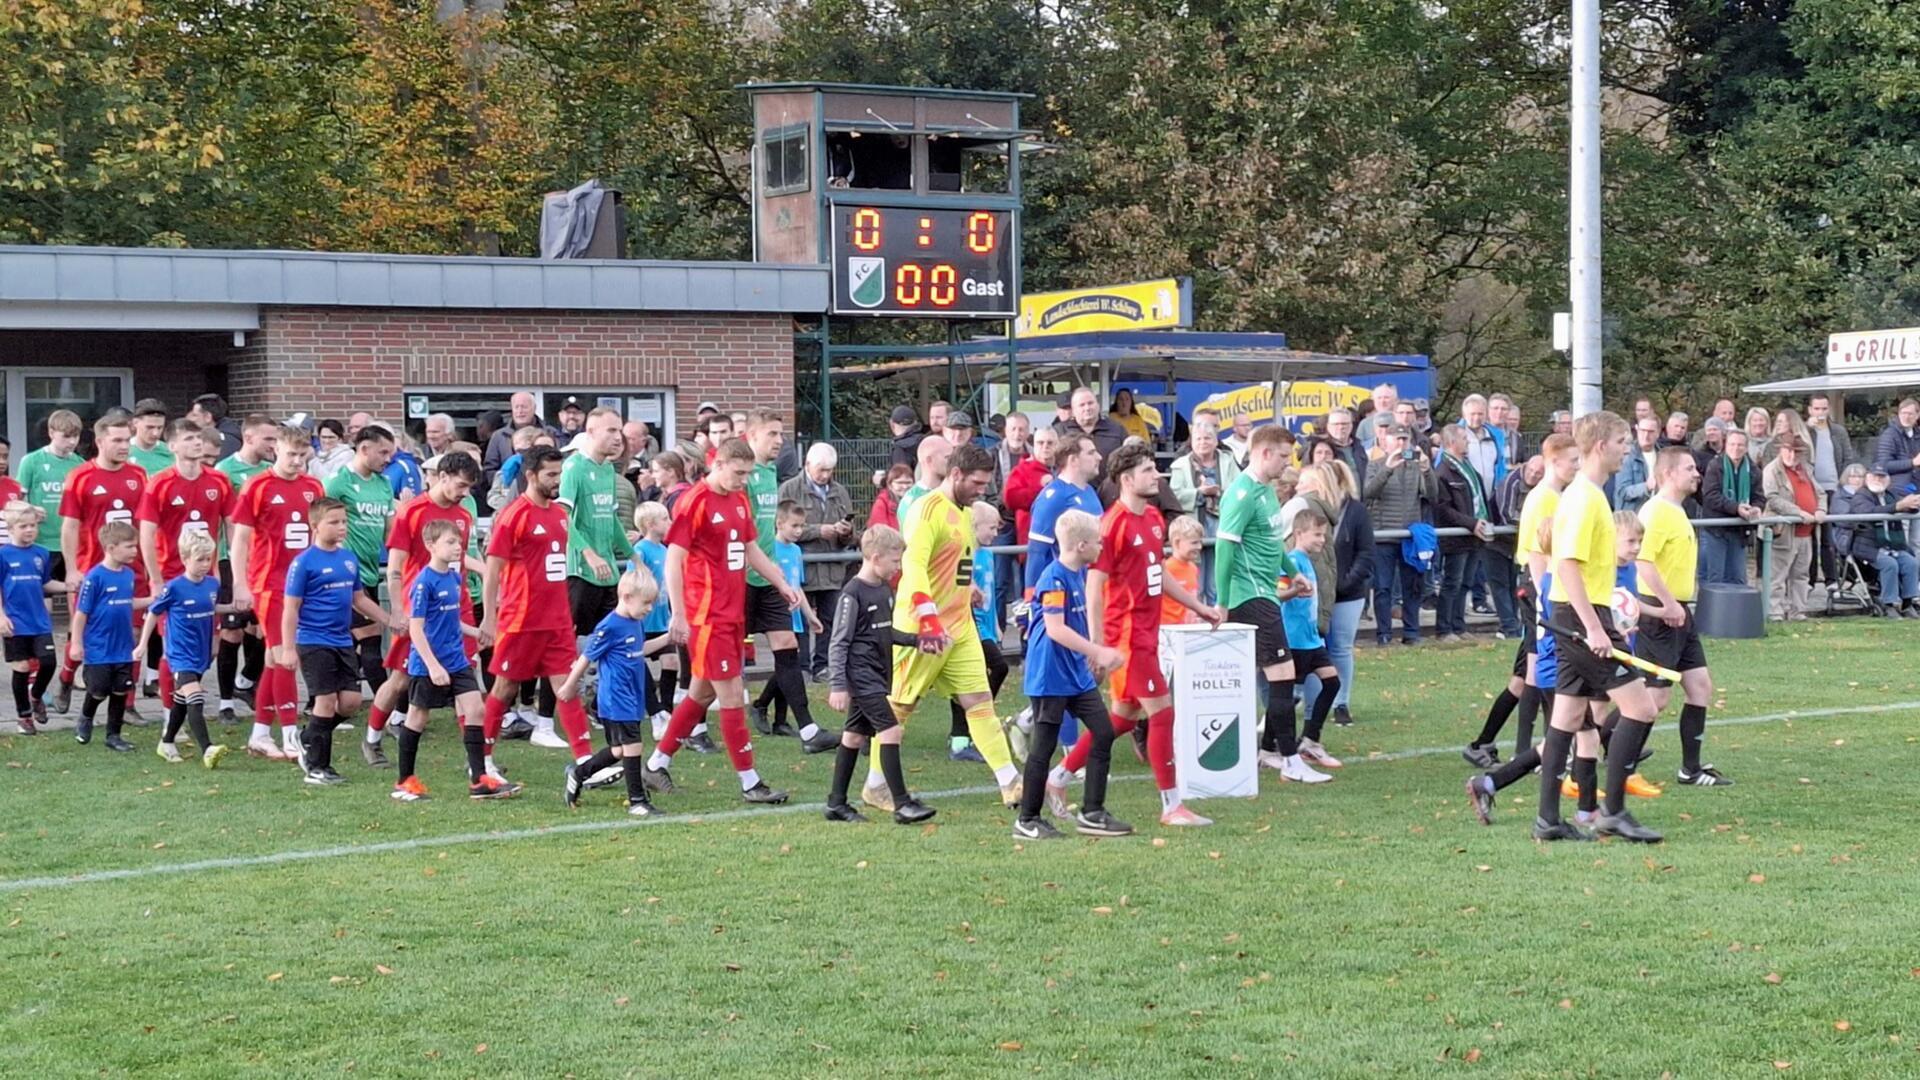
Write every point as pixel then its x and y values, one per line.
pixel 935 603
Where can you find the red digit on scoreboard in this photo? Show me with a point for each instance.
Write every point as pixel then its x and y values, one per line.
pixel 866 229
pixel 980 233
pixel 906 285
pixel 944 287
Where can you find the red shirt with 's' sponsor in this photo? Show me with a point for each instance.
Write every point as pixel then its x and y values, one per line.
pixel 279 513
pixel 95 496
pixel 715 530
pixel 178 506
pixel 533 582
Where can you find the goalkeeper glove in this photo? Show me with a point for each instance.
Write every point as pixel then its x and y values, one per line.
pixel 931 630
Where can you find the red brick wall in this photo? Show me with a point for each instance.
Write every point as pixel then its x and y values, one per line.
pixel 331 361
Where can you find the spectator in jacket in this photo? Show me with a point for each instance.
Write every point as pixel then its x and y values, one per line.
pixel 829 530
pixel 1309 490
pixel 886 502
pixel 907 434
pixel 1028 479
pixel 1501 414
pixel 520 414
pixel 1879 544
pixel 1790 493
pixel 1898 448
pixel 1385 397
pixel 1015 446
pixel 1759 429
pixel 1829 452
pixel 1634 484
pixel 1199 476
pixel 1164 500
pixel 1399 489
pixel 210 412
pixel 1238 440
pixel 333 451
pixel 1486 444
pixel 1086 419
pixel 1728 488
pixel 1675 432
pixel 1462 504
pixel 1352 547
pixel 669 470
pixel 1346 447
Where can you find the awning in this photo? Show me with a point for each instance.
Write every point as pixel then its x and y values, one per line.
pixel 1864 380
pixel 1136 356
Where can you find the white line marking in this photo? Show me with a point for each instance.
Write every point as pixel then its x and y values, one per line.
pixel 420 843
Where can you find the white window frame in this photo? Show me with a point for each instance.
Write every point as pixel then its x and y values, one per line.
pixel 16 418
pixel 664 432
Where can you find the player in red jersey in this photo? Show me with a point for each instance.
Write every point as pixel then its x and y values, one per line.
pixel 407 554
pixel 1124 587
pixel 271 526
pixel 184 498
pixel 709 547
pixel 529 618
pixel 103 490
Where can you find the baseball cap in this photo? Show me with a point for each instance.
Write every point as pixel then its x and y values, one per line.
pixel 1878 470
pixel 572 403
pixel 1065 401
pixel 960 418
pixel 707 407
pixel 904 414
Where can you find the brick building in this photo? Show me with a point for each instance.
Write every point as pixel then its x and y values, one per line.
pixel 398 336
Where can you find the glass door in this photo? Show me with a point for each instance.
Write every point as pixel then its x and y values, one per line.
pixel 29 395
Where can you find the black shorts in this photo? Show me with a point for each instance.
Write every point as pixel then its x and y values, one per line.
pixel 422 692
pixel 1308 660
pixel 1581 673
pixel 870 715
pixel 767 611
pixel 29 647
pixel 1050 709
pixel 622 732
pixel 590 604
pixel 329 669
pixel 106 680
pixel 232 620
pixel 1269 633
pixel 1673 647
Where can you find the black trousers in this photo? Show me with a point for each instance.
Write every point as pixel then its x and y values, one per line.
pixel 1048 711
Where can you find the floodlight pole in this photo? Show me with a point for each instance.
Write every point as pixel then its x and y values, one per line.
pixel 1583 206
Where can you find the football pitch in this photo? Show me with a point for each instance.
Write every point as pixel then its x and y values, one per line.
pixel 169 921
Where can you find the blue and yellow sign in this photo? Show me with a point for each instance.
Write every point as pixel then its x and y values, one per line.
pixel 1139 305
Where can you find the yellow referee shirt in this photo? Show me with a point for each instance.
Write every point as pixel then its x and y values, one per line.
pixel 1583 532
pixel 1669 545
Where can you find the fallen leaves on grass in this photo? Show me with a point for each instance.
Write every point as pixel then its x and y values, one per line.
pixel 1756 879
pixel 1771 978
pixel 1012 1047
pixel 1842 1025
pixel 383 969
pixel 276 976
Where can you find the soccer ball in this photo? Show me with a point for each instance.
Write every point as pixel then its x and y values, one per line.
pixel 1626 611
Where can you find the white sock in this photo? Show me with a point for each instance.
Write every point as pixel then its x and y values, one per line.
pixel 1169 799
pixel 581 758
pixel 657 761
pixel 373 736
pixel 810 731
pixel 1058 776
pixel 1006 774
pixel 226 703
pixel 749 779
pixel 698 729
pixel 262 731
pixel 489 763
pixel 875 778
pixel 242 682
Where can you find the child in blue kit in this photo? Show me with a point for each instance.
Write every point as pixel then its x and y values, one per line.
pixel 620 646
pixel 439 672
pixel 652 520
pixel 322 596
pixel 102 633
pixel 1060 678
pixel 1301 615
pixel 986 621
pixel 189 604
pixel 26 580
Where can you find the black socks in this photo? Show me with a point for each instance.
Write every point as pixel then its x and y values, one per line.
pixel 844 761
pixel 227 665
pixel 1622 752
pixel 635 770
pixel 1503 707
pixel 21 702
pixel 792 681
pixel 1279 736
pixel 317 737
pixel 1693 733
pixel 601 759
pixel 889 768
pixel 1529 710
pixel 1553 759
pixel 410 749
pixel 1322 705
pixel 1523 762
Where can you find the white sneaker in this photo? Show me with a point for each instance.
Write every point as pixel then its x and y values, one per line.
pixel 1270 759
pixel 290 742
pixel 544 735
pixel 494 771
pixel 264 747
pixel 168 752
pixel 1317 754
pixel 607 777
pixel 1300 772
pixel 877 796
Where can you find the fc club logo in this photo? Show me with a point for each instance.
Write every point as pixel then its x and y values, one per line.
pixel 1219 741
pixel 866 280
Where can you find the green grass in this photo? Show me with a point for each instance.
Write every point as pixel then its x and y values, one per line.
pixel 1366 927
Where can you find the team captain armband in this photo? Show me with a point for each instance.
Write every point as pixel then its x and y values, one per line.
pixel 1054 600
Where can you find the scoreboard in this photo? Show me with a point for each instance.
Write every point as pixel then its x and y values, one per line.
pixel 949 262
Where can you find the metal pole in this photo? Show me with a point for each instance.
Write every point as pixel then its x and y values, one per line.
pixel 1583 206
pixel 826 380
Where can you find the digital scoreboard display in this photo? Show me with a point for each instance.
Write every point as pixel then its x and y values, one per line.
pixel 940 263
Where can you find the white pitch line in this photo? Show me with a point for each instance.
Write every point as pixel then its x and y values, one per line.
pixel 421 843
